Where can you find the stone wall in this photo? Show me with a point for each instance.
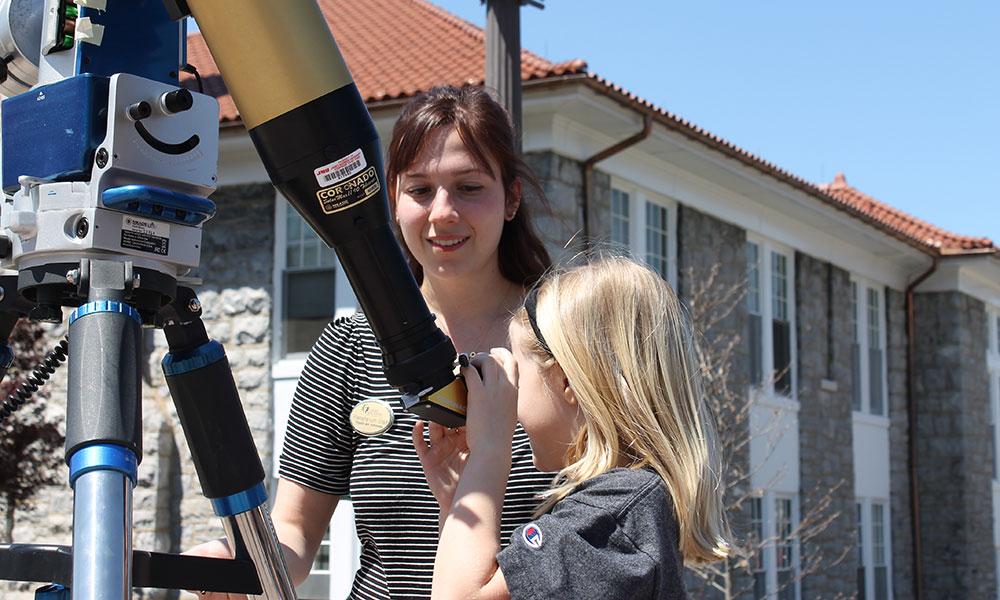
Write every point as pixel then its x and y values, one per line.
pixel 953 442
pixel 899 474
pixel 170 513
pixel 711 261
pixel 826 455
pixel 562 221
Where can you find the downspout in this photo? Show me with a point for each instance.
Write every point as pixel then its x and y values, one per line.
pixel 588 170
pixel 911 442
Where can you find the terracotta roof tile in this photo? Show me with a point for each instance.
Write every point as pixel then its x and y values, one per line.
pixel 399 48
pixel 893 218
pixel 395 49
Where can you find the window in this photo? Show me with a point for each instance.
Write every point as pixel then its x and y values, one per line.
pixel 620 217
pixel 781 325
pixel 321 564
pixel 308 285
pixel 785 549
pixel 868 370
pixel 644 223
pixel 862 586
pixel 874 353
pixel 755 315
pixel 879 558
pixel 657 238
pixel 771 317
pixel 874 564
pixel 775 562
pixel 757 531
pixel 855 350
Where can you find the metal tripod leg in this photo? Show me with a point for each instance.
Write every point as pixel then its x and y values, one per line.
pixel 103 433
pixel 222 447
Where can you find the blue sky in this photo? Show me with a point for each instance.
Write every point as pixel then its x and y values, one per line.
pixel 903 97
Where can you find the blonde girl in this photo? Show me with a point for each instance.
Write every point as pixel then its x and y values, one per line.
pixel 603 379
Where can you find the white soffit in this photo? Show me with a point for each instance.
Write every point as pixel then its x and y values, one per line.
pixel 976 276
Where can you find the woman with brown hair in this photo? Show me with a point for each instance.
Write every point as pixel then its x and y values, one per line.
pixel 456 187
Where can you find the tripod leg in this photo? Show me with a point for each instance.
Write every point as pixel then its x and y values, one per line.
pixel 225 456
pixel 103 435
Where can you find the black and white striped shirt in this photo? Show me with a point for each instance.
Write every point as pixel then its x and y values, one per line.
pixel 396 515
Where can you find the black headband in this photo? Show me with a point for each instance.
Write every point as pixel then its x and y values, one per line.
pixel 529 306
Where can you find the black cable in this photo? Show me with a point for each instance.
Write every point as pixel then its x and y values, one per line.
pixel 54 358
pixel 189 68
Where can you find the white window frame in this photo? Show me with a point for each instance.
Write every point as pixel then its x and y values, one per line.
pixel 868 543
pixel 765 248
pixel 861 287
pixel 638 197
pixel 344 300
pixel 769 555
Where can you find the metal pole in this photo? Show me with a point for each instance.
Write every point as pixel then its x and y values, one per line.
pixel 253 532
pixel 102 536
pixel 503 57
pixel 103 431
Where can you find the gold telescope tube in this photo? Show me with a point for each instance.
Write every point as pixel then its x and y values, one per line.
pixel 312 130
pixel 275 55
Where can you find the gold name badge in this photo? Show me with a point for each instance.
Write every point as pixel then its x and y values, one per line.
pixel 372 417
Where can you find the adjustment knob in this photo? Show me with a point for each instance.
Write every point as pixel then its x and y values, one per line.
pixel 140 110
pixel 176 101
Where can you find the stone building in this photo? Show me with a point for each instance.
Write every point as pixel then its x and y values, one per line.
pixel 895 431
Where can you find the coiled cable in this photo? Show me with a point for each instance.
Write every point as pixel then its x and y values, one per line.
pixel 54 358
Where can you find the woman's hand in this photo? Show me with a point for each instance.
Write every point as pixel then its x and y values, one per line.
pixel 491 380
pixel 214 549
pixel 442 459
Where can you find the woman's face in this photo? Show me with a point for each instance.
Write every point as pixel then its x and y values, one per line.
pixel 545 406
pixel 450 211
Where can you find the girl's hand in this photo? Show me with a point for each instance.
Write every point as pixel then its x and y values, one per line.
pixel 214 549
pixel 442 459
pixel 492 383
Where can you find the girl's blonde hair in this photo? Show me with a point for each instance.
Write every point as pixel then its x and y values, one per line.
pixel 621 337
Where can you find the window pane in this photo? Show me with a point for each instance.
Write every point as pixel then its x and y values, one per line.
pixel 860 540
pixel 293 225
pixel 783 522
pixel 874 322
pixel 875 381
pixel 786 585
pixel 781 327
pixel 753 278
pixel 757 533
pixel 878 535
pixel 754 338
pixel 856 383
pixel 760 586
pixel 293 255
pixel 322 562
pixel 881 583
pixel 854 312
pixel 782 355
pixel 779 285
pixel 619 217
pixel 308 307
pixel 656 238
